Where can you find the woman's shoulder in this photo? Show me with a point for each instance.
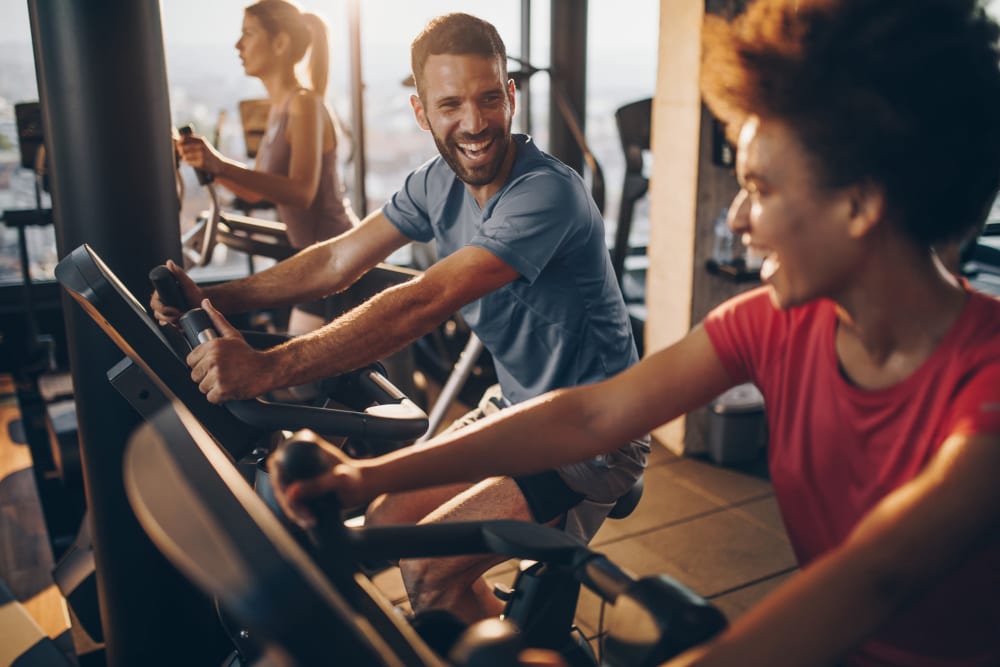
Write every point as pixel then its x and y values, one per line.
pixel 755 313
pixel 303 99
pixel 305 104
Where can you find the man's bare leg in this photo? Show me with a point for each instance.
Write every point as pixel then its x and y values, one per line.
pixel 455 583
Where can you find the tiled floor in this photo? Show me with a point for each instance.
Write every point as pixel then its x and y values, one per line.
pixel 713 528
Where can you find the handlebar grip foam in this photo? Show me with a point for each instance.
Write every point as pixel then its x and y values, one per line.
pixel 204 178
pixel 299 460
pixel 197 327
pixel 167 287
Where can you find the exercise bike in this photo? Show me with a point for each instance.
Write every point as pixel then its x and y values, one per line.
pixel 254 236
pixel 362 409
pixel 262 238
pixel 154 371
pixel 542 601
pixel 322 610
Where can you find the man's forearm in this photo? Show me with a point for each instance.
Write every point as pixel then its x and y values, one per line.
pixel 306 276
pixel 372 331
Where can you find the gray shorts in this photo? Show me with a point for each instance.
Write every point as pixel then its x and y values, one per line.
pixel 584 492
pixel 547 495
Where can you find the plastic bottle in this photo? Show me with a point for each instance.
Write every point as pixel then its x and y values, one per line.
pixel 723 240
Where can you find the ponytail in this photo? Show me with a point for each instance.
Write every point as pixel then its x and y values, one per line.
pixel 319 53
pixel 306 31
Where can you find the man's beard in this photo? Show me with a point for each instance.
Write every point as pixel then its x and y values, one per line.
pixel 483 174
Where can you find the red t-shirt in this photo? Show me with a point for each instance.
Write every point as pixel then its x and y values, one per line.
pixel 836 449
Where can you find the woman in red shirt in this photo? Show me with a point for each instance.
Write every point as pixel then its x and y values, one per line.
pixel 867 133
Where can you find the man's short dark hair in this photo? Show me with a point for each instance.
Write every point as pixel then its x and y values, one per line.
pixel 455 34
pixel 903 94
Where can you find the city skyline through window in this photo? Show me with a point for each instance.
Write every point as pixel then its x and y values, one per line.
pixel 206 80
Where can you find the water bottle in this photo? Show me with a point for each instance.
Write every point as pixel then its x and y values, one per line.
pixel 723 240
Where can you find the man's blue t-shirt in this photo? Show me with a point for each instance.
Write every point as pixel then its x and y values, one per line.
pixel 563 323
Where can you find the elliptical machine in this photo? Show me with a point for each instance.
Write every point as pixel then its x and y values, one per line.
pixel 319 609
pixel 370 412
pixel 543 600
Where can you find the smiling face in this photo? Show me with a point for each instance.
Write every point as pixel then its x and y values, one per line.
pixel 467 105
pixel 807 233
pixel 255 47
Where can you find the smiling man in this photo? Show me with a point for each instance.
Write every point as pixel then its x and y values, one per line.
pixel 522 256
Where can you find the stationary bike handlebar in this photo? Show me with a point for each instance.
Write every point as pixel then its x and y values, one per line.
pixel 167 287
pixel 392 417
pixel 652 618
pixel 198 243
pixel 204 177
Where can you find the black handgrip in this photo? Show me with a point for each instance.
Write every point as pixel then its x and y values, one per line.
pixel 298 460
pixel 168 288
pixel 492 642
pixel 197 327
pixel 204 178
pixel 655 619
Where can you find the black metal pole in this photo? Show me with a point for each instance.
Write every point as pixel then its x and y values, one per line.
pixel 526 57
pixel 103 88
pixel 360 200
pixel 569 72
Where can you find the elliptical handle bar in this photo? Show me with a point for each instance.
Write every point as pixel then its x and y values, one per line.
pixel 167 287
pixel 651 619
pixel 300 460
pixel 198 243
pixel 393 417
pixel 197 327
pixel 204 177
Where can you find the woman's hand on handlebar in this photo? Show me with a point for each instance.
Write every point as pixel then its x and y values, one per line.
pixel 165 314
pixel 227 368
pixel 345 479
pixel 199 153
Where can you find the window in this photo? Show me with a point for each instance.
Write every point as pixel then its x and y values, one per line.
pixel 206 83
pixel 17 185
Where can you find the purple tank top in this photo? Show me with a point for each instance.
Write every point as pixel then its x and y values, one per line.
pixel 330 213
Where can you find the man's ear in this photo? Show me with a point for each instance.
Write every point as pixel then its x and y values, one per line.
pixel 419 113
pixel 511 88
pixel 868 208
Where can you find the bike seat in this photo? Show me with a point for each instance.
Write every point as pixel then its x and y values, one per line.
pixel 628 502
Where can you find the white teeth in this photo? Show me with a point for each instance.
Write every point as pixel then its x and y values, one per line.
pixel 474 149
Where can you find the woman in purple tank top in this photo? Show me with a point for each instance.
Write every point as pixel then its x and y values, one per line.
pixel 296 164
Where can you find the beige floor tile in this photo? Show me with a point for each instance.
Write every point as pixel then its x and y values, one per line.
pixel 726 485
pixel 710 554
pixel 735 603
pixel 765 513
pixel 660 455
pixel 665 500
